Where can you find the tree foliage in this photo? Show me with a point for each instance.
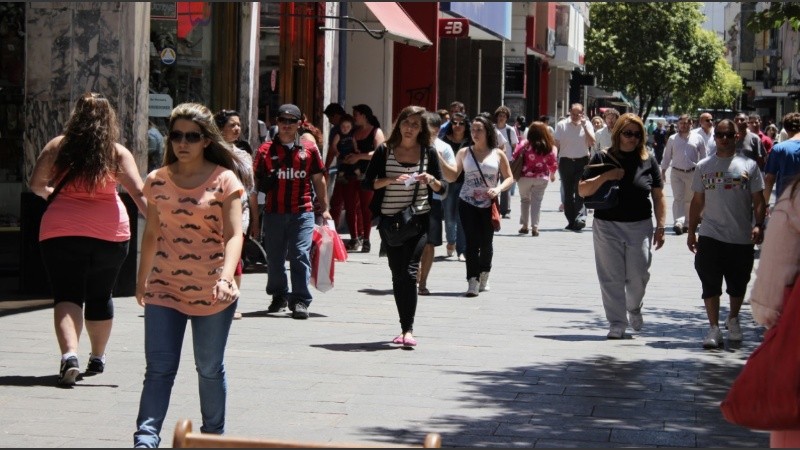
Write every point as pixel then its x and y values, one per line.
pixel 775 16
pixel 650 50
pixel 718 92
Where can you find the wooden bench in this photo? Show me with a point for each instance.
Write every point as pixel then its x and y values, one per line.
pixel 185 438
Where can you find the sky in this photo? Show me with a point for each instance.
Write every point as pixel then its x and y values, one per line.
pixel 715 16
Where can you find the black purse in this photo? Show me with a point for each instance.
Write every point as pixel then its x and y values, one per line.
pixel 607 195
pixel 404 225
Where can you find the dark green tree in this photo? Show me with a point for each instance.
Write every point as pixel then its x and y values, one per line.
pixel 650 50
pixel 775 16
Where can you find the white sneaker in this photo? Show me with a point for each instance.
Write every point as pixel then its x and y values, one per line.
pixel 484 286
pixel 473 287
pixel 616 333
pixel 636 320
pixel 713 338
pixel 734 329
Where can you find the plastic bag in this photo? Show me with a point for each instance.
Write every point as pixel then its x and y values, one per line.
pixel 322 257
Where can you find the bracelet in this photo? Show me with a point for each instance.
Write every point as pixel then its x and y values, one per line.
pixel 661 228
pixel 228 282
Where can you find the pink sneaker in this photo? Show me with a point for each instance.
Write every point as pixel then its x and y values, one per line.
pixel 410 342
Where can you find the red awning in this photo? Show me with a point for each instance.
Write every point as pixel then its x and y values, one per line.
pixel 399 26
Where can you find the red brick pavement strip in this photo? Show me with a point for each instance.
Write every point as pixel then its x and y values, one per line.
pixel 525 365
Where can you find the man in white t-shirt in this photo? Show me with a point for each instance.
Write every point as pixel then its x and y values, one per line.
pixel 509 142
pixel 574 137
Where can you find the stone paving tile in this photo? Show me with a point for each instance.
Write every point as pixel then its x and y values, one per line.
pixel 525 365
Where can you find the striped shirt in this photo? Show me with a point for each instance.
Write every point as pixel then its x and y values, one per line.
pixel 293 167
pixel 398 196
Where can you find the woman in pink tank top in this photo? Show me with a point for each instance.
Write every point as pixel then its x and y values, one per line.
pixel 85 230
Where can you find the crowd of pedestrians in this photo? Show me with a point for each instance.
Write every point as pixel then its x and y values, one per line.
pixel 450 171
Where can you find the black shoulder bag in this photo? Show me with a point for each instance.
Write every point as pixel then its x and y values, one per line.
pixel 607 195
pixel 404 225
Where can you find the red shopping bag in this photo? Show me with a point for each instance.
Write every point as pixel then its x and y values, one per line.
pixel 322 261
pixel 339 250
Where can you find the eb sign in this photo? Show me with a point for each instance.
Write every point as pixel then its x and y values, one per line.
pixel 453 28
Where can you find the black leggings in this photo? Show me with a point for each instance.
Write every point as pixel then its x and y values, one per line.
pixel 478 229
pixel 84 270
pixel 404 264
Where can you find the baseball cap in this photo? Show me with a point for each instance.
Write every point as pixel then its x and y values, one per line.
pixel 290 110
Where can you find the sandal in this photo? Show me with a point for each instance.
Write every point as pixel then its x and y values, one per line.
pixel 423 291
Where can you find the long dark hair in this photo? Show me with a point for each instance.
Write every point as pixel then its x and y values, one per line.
pixel 424 136
pixel 491 135
pixel 218 151
pixel 540 140
pixel 88 150
pixel 367 111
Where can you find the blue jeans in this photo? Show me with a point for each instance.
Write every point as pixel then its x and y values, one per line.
pixel 452 222
pixel 288 236
pixel 164 329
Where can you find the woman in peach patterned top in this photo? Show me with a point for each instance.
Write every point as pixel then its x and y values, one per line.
pixel 190 248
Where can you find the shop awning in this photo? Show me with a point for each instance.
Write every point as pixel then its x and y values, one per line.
pixel 398 25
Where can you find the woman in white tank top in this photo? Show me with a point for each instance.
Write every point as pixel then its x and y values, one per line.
pixel 482 164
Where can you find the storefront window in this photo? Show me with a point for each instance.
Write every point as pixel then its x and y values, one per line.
pixel 269 65
pixel 181 38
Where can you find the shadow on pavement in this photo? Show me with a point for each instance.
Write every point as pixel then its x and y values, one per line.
pixel 576 337
pixel 592 402
pixel 358 347
pixel 376 292
pixel 564 310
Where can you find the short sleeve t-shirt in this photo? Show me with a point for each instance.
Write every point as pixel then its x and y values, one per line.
pixel 728 184
pixel 190 250
pixel 293 166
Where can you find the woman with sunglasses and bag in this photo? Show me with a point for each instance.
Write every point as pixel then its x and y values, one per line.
pixel 482 164
pixel 623 231
pixel 404 173
pixel 191 245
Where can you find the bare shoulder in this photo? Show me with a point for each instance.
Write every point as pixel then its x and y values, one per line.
pixel 122 150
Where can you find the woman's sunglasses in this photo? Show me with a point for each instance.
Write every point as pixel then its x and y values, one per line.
pixel 192 137
pixel 457 124
pixel 632 134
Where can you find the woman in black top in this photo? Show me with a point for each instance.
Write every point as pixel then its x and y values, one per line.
pixel 367 137
pixel 394 173
pixel 623 234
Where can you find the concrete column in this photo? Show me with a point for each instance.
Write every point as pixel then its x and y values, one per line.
pixel 73 48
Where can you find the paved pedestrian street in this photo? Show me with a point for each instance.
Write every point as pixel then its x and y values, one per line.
pixel 524 365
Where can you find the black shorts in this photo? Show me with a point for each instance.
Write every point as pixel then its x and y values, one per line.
pixel 84 270
pixel 435 226
pixel 716 260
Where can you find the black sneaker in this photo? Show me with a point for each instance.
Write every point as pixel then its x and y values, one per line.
pixel 579 225
pixel 678 230
pixel 366 247
pixel 96 365
pixel 69 371
pixel 300 311
pixel 278 303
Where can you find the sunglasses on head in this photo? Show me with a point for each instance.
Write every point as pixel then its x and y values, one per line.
pixel 632 134
pixel 729 135
pixel 287 120
pixel 192 137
